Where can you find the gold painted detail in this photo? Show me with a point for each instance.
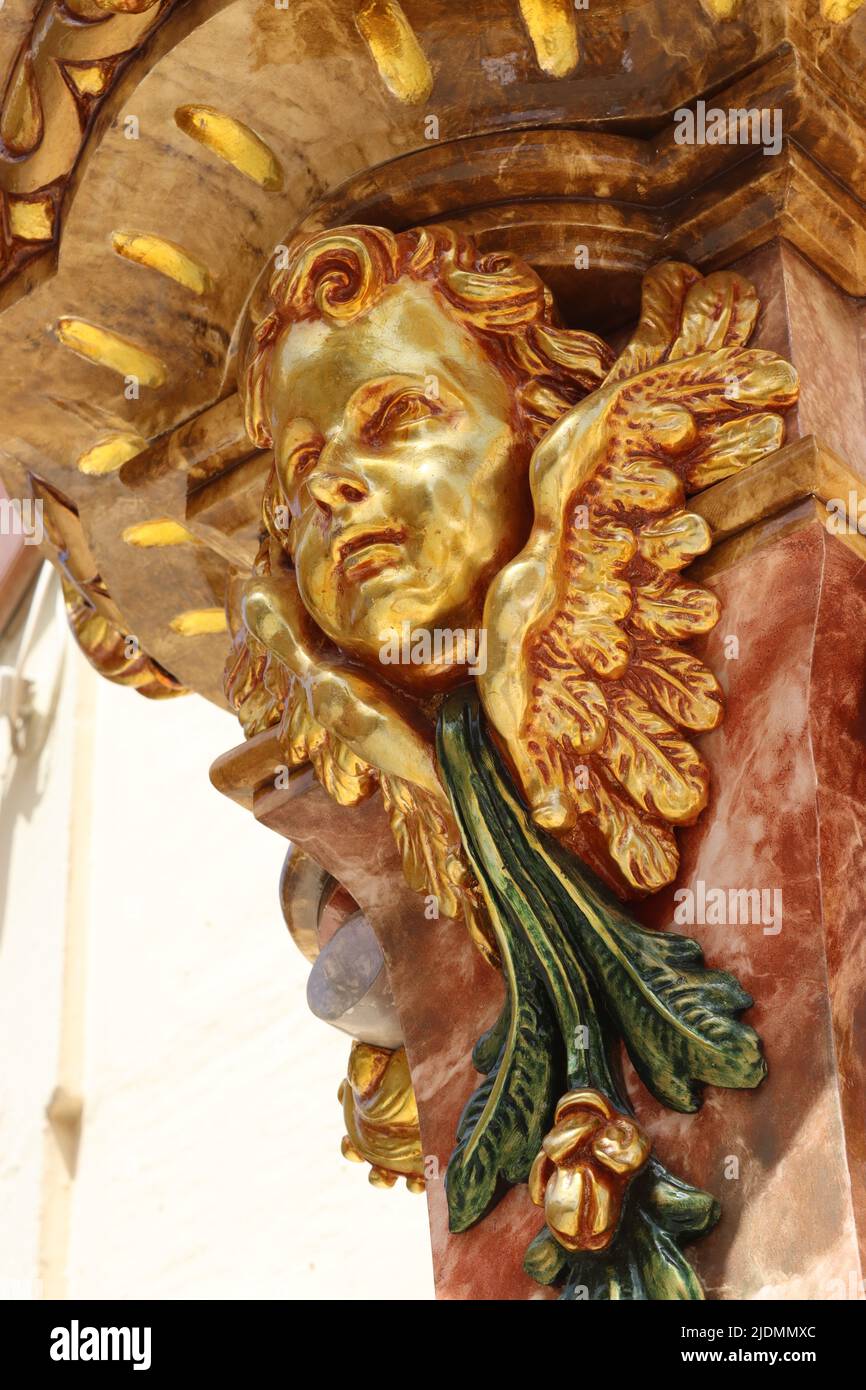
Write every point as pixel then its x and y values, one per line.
pixel 723 9
pixel 838 11
pixel 197 622
pixel 585 1165
pixel 64 71
pixel 162 531
pixel 114 654
pixel 163 256
pixel 31 219
pixel 88 79
pixel 381 1116
pixel 585 676
pixel 432 858
pixel 93 616
pixel 301 660
pixel 110 350
pixel 233 142
pixel 356 736
pixel 127 6
pixel 111 453
pixel 552 28
pixel 395 50
pixel 21 118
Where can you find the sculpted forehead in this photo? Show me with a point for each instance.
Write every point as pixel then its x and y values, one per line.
pixel 318 366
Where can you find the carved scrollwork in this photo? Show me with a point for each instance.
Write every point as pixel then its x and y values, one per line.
pixel 93 617
pixel 67 66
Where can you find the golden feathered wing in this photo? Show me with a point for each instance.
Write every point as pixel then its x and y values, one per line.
pixel 588 683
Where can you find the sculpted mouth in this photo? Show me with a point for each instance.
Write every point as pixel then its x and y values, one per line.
pixel 352 547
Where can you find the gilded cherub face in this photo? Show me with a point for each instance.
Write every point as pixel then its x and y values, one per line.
pixel 402 457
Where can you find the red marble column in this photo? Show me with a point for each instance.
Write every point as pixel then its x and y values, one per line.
pixel 787 817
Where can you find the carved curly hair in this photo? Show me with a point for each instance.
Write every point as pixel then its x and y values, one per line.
pixel 337 275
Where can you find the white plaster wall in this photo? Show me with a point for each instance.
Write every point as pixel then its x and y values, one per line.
pixel 34 819
pixel 209 1163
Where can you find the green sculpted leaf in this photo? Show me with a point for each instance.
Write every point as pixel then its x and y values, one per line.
pixel 545 1258
pixel 530 940
pixel 647 1266
pixel 665 1272
pixel 485 1053
pixel 578 972
pixel 503 1123
pixel 678 1019
pixel 680 1209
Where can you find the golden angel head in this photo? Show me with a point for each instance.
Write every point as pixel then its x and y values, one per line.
pixel 403 382
pixel 448 459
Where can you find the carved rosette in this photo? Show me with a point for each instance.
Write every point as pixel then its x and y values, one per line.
pixel 584 1168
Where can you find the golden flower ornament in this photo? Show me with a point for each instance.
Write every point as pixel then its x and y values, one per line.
pixel 585 1165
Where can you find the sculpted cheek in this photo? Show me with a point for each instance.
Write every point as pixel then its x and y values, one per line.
pixel 313 586
pixel 451 500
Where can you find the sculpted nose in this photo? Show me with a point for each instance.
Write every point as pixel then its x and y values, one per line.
pixel 330 486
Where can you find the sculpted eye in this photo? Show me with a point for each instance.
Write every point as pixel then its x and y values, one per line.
pixel 304 457
pixel 401 411
pixel 301 459
pixel 297 452
pixel 295 457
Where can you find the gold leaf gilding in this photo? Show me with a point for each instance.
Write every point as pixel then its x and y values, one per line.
pixel 31 219
pixel 110 350
pixel 838 11
pixel 162 531
pixel 21 121
pixel 233 142
pixel 583 682
pixel 395 50
pixel 553 31
pixel 111 453
pixel 88 79
pixel 584 1168
pixel 116 655
pixel 197 622
pixel 381 1116
pixel 163 256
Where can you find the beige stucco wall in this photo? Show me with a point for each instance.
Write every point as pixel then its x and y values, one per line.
pixel 145 968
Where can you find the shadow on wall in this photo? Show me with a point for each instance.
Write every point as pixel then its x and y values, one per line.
pixel 32 652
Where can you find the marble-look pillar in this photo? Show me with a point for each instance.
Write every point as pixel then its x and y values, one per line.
pixel 787 818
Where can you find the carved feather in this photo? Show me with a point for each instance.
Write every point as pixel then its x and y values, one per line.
pixel 428 841
pixel 345 776
pixel 586 682
pixel 684 313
